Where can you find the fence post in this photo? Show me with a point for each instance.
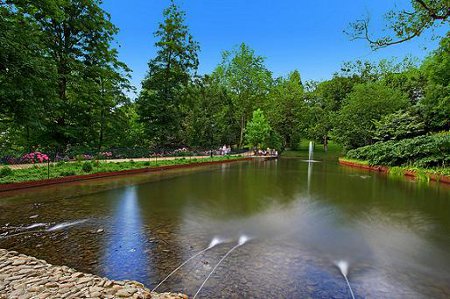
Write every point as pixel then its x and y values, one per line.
pixel 48 167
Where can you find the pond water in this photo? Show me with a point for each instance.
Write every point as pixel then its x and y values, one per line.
pixel 301 217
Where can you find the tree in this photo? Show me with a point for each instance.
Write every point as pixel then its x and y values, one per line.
pixel 77 36
pixel 405 24
pixel 368 102
pixel 324 103
pixel 159 104
pixel 244 74
pixel 398 125
pixel 209 115
pixel 285 108
pixel 435 105
pixel 25 78
pixel 257 131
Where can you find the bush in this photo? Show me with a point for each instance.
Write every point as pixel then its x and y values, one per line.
pixel 5 171
pixel 87 167
pixel 67 173
pixel 422 151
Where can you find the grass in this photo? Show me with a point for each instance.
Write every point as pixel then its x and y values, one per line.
pixel 355 161
pixel 421 173
pixel 62 169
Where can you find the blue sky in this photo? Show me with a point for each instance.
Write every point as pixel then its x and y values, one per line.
pixel 290 34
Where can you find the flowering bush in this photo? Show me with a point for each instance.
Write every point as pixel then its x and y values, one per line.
pixel 35 157
pixel 106 155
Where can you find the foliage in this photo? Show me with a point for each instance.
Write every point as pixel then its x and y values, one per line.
pixel 87 167
pixel 5 171
pixel 258 130
pixel 285 110
pixel 398 125
pixel 435 106
pixel 367 103
pixel 405 24
pixel 245 76
pixel 421 151
pixel 159 104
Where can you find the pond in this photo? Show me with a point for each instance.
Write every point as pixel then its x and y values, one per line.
pixel 301 218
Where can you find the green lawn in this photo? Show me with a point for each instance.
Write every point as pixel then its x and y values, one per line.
pixel 63 169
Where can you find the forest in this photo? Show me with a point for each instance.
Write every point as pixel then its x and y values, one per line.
pixel 64 91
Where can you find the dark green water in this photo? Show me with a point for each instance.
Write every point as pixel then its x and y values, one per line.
pixel 394 233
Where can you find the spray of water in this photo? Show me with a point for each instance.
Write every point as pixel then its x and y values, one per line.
pixel 242 240
pixel 343 267
pixel 214 242
pixel 65 224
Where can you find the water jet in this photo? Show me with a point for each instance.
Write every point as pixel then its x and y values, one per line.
pixel 214 242
pixel 65 224
pixel 242 240
pixel 343 267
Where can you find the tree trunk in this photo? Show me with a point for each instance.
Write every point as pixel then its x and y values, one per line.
pixel 241 137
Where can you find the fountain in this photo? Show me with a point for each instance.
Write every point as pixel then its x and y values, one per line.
pixel 65 224
pixel 242 240
pixel 215 241
pixel 310 153
pixel 343 267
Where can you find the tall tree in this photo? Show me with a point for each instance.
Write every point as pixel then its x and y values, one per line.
pixel 26 77
pixel 286 107
pixel 368 102
pixel 77 37
pixel 247 78
pixel 159 104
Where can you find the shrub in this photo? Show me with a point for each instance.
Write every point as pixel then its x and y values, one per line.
pixel 5 171
pixel 87 167
pixel 35 157
pixel 422 151
pixel 67 173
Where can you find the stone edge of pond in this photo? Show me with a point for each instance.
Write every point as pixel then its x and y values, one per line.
pixel 76 178
pixel 23 276
pixel 384 169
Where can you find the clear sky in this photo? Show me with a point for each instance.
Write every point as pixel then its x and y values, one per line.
pixel 291 34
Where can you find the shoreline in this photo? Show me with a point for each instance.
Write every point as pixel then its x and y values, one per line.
pixel 76 178
pixel 385 169
pixel 23 276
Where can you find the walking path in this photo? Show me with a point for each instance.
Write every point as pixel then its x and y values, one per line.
pixel 152 159
pixel 26 277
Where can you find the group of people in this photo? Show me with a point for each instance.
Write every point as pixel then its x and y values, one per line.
pixel 267 152
pixel 225 150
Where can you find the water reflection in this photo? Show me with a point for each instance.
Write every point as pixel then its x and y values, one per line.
pixel 125 256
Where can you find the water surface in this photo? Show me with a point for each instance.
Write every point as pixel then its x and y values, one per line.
pixel 302 217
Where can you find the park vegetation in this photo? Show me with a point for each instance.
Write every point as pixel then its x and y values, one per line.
pixel 63 88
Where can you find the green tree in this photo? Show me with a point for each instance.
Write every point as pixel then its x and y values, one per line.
pixel 324 103
pixel 159 104
pixel 398 125
pixel 26 79
pixel 435 104
pixel 244 74
pixel 77 36
pixel 257 131
pixel 285 108
pixel 367 103
pixel 209 115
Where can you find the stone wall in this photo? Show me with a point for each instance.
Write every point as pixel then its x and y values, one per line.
pixel 26 277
